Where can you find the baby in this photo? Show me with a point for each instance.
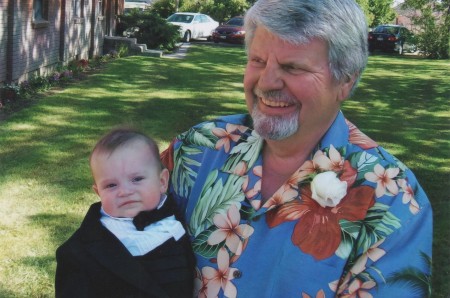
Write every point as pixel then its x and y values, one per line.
pixel 132 243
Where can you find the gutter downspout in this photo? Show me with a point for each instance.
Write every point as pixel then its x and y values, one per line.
pixel 10 42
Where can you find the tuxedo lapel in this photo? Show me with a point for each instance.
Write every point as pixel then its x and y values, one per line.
pixel 110 252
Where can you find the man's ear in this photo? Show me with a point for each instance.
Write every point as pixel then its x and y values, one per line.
pixel 164 180
pixel 346 88
pixel 95 188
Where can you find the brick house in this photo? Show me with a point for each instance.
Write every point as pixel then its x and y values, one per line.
pixel 36 36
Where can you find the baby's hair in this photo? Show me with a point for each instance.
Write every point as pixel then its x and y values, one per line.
pixel 120 136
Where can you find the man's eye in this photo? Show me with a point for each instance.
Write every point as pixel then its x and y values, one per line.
pixel 137 179
pixel 257 62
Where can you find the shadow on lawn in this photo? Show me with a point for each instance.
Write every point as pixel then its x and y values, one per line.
pixel 410 101
pixel 65 127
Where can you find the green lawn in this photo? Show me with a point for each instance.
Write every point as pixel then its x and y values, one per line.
pixel 45 183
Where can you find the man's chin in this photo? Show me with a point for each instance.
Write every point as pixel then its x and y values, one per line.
pixel 274 127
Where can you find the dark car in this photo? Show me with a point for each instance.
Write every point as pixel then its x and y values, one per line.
pixel 232 31
pixel 392 38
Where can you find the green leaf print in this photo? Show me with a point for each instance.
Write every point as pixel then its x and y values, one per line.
pixel 216 197
pixel 201 136
pixel 378 224
pixel 200 244
pixel 183 169
pixel 247 151
pixel 350 231
pixel 363 162
pixel 414 278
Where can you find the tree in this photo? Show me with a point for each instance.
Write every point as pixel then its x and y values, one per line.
pixel 165 7
pixel 364 4
pixel 151 29
pixel 382 11
pixel 220 10
pixel 433 20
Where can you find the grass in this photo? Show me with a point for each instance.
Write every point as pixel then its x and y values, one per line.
pixel 45 183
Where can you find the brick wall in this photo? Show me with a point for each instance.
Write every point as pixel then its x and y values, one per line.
pixel 72 30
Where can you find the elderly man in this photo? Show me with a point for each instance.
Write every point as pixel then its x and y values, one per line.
pixel 293 200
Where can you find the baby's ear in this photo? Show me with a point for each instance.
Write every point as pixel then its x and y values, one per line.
pixel 94 187
pixel 164 180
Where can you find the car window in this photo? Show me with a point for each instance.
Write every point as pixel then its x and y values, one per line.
pixel 236 22
pixel 387 30
pixel 180 18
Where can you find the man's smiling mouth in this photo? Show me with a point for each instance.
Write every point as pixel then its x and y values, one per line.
pixel 275 104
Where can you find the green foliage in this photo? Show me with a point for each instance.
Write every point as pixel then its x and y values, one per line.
pixel 364 4
pixel 219 10
pixel 382 12
pixel 122 50
pixel 164 7
pixel 434 22
pixel 377 11
pixel 151 29
pixel 15 95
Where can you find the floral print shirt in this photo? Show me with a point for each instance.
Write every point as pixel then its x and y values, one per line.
pixel 369 235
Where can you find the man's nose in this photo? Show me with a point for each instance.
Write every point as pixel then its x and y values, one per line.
pixel 271 77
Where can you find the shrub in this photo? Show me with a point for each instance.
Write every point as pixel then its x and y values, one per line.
pixel 12 93
pixel 151 29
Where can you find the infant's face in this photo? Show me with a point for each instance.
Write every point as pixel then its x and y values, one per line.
pixel 128 180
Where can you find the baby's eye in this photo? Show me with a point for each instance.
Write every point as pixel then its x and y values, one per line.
pixel 137 179
pixel 111 185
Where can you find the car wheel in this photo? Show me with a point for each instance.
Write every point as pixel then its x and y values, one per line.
pixel 187 36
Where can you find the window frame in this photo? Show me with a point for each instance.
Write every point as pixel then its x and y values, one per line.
pixel 40 14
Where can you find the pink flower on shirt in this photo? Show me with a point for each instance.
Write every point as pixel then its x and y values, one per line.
pixel 408 196
pixel 384 178
pixel 220 278
pixel 231 133
pixel 230 230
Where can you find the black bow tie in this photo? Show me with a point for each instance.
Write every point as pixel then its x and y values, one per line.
pixel 145 218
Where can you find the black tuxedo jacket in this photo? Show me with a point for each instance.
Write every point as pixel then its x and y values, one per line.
pixel 94 263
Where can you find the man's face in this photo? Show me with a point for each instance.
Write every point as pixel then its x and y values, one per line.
pixel 289 88
pixel 128 180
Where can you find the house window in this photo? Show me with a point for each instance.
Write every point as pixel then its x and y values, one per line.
pixel 100 7
pixel 38 10
pixel 40 14
pixel 78 11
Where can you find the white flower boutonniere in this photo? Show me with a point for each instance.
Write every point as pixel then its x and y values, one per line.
pixel 327 189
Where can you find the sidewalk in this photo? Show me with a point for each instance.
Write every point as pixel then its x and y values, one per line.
pixel 180 52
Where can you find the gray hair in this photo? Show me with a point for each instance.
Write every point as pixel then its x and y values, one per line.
pixel 340 23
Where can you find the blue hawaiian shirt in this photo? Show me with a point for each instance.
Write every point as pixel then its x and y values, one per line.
pixel 352 221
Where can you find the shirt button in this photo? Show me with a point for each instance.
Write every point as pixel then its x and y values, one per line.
pixel 237 274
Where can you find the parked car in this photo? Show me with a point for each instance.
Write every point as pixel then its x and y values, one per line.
pixel 193 25
pixel 232 31
pixel 392 38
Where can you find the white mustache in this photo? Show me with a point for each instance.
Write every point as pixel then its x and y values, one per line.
pixel 275 97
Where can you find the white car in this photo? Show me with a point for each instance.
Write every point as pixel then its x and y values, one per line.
pixel 193 25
